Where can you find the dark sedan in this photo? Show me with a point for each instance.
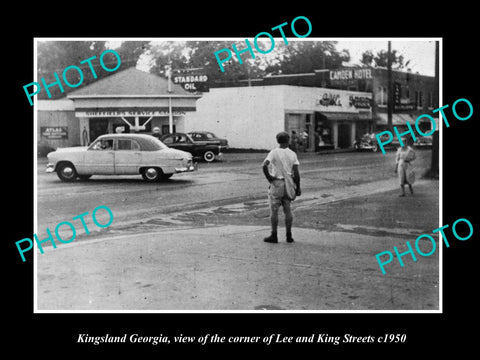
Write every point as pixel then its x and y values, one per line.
pixel 182 141
pixel 208 137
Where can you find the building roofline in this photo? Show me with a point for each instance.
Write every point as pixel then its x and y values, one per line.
pixel 102 96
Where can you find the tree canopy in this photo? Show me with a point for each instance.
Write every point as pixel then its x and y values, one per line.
pixel 381 59
pixel 294 57
pixel 306 56
pixel 55 56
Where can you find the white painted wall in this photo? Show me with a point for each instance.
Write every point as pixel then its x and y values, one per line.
pixel 248 117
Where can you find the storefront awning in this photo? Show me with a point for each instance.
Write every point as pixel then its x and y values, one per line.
pixel 399 119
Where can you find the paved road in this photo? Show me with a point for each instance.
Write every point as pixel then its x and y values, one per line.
pixel 237 180
pixel 194 242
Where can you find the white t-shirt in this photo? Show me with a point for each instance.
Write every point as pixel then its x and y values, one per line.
pixel 281 158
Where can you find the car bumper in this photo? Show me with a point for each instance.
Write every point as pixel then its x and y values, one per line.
pixel 50 168
pixel 189 168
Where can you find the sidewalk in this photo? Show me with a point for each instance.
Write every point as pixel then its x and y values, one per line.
pixel 229 267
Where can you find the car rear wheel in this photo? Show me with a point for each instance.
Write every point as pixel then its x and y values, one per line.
pixel 152 174
pixel 375 148
pixel 66 172
pixel 209 156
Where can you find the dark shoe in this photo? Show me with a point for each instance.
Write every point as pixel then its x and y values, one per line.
pixel 271 239
pixel 290 239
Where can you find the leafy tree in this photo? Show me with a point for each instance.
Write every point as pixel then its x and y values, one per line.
pixel 305 57
pixel 131 51
pixel 199 55
pixel 167 53
pixel 55 56
pixel 381 59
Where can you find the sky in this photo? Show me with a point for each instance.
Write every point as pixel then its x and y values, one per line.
pixel 420 51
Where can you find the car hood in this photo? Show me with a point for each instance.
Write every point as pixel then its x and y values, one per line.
pixel 72 149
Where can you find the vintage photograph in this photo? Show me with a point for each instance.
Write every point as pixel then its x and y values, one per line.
pixel 237 175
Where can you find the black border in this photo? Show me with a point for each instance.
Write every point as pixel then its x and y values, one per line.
pixel 54 333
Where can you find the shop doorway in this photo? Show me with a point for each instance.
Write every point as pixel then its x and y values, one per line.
pixel 323 132
pixel 344 140
pixel 97 127
pixel 166 129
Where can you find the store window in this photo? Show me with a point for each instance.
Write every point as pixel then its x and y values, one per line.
pixel 381 96
pixel 419 99
pixel 323 131
pixel 430 100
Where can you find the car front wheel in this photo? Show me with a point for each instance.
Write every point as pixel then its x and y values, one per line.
pixel 152 174
pixel 209 156
pixel 66 172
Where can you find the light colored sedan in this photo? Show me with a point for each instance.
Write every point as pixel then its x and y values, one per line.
pixel 120 154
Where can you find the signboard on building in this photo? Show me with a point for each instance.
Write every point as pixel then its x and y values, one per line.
pixel 343 101
pixel 54 132
pixel 400 103
pixel 349 75
pixel 191 82
pixel 127 113
pixel 403 107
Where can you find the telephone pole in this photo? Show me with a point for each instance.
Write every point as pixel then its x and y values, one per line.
pixel 434 166
pixel 389 87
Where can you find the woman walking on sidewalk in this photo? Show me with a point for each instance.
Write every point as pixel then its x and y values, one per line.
pixel 404 166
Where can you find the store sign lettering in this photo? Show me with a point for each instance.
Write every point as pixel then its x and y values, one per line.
pixel 361 102
pixel 344 101
pixel 329 99
pixel 127 113
pixel 350 74
pixel 54 132
pixel 190 79
pixel 191 82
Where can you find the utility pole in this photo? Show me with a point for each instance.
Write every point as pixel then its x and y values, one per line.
pixel 389 87
pixel 434 166
pixel 168 72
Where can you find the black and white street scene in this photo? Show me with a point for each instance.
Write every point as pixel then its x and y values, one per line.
pixel 263 187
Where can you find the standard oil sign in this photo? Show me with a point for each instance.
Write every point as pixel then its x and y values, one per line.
pixel 192 83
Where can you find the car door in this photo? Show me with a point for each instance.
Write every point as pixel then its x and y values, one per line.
pixel 100 158
pixel 128 157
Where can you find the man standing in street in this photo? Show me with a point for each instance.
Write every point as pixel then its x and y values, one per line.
pixel 281 170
